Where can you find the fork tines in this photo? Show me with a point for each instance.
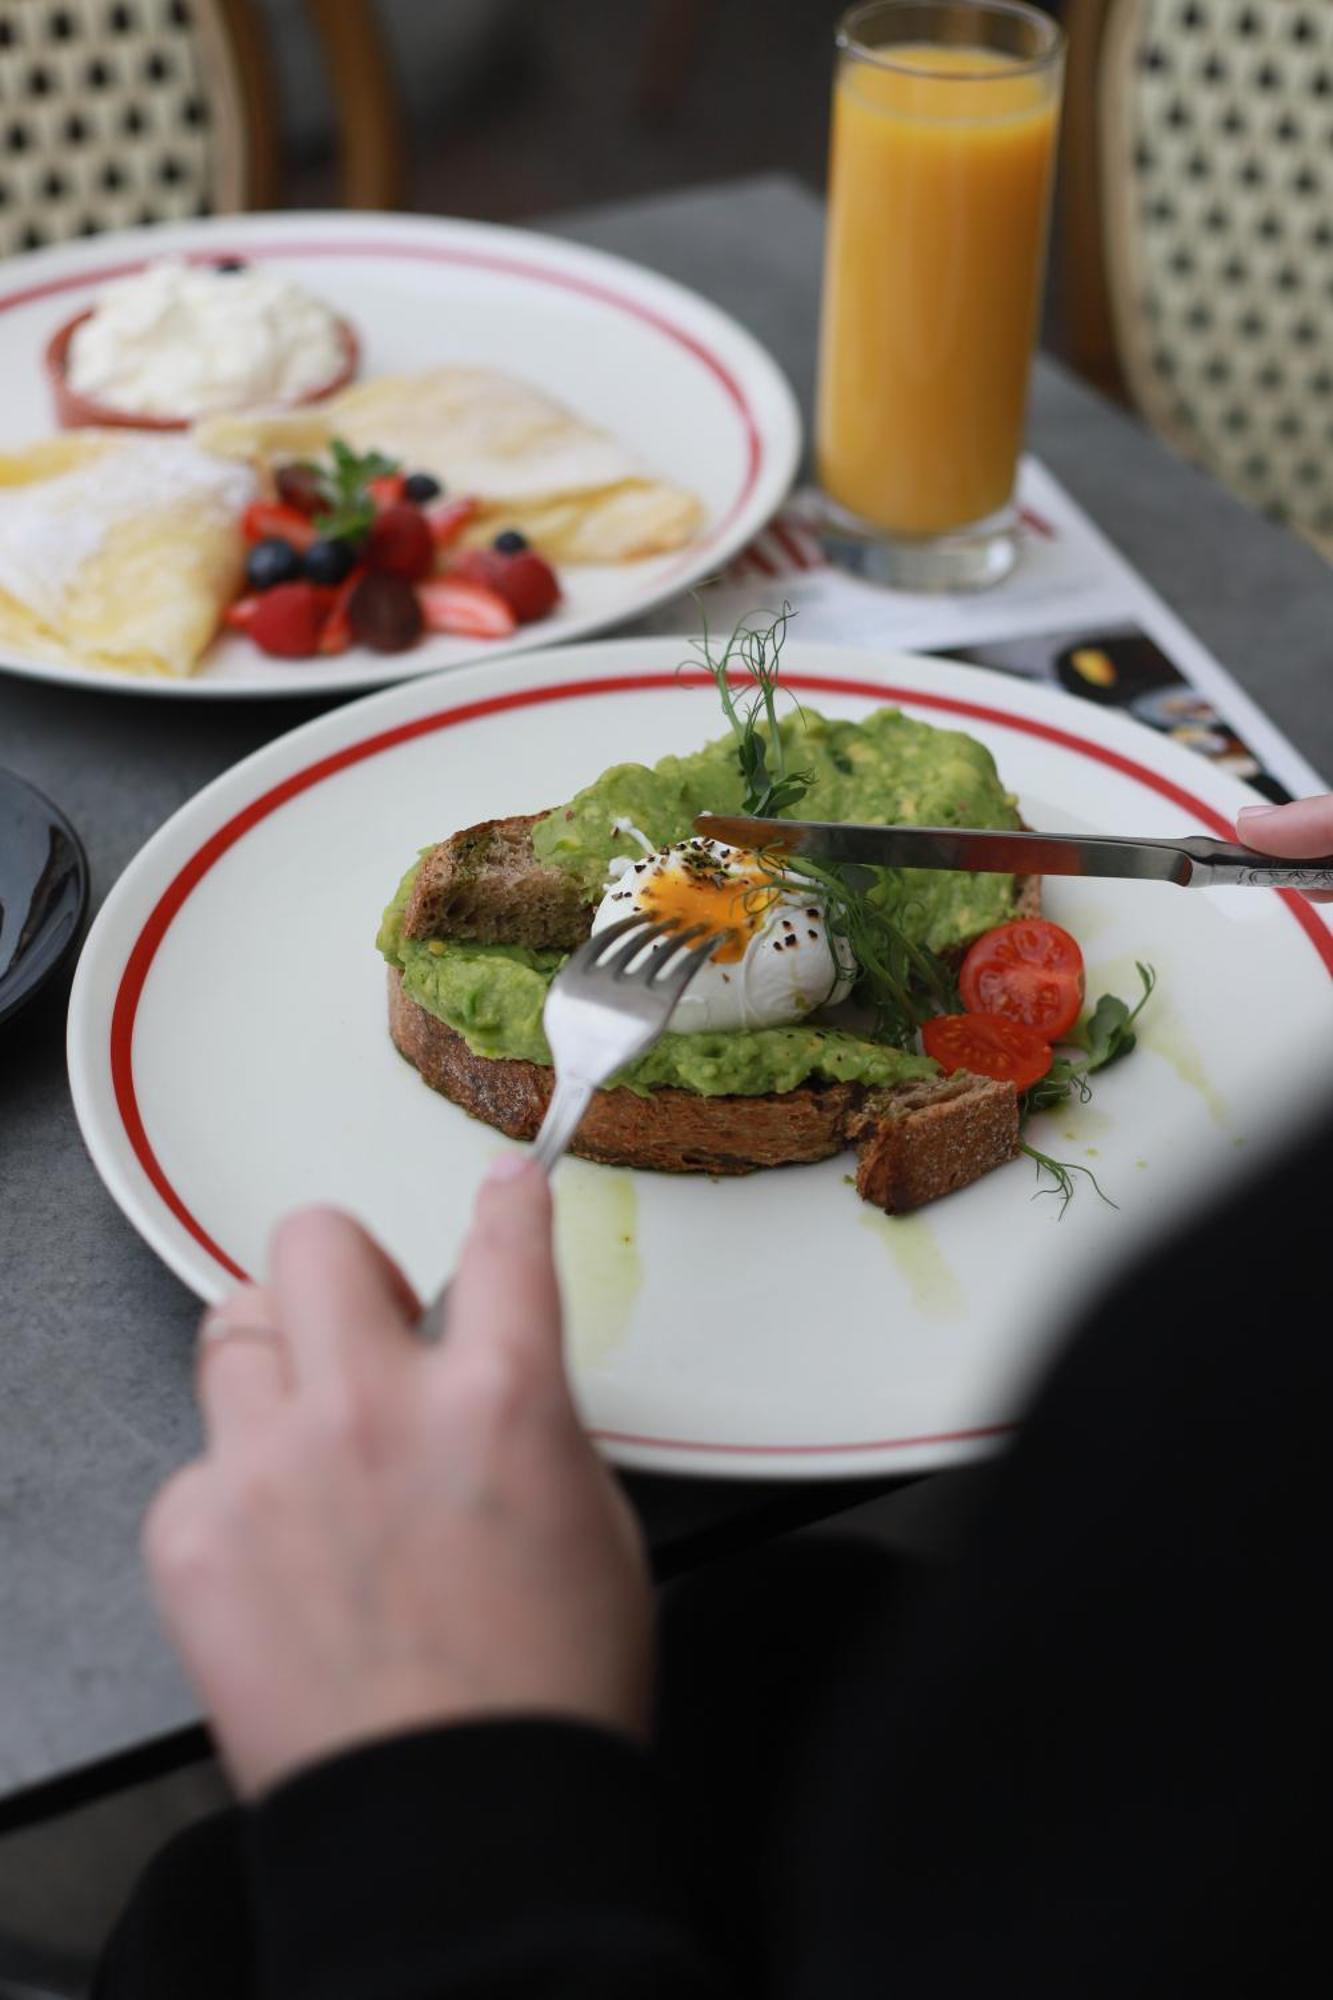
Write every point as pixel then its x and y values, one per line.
pixel 648 947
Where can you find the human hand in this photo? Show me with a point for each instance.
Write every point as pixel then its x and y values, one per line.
pixel 381 1535
pixel 1301 831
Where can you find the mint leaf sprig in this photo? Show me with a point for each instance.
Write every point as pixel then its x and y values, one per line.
pixel 350 507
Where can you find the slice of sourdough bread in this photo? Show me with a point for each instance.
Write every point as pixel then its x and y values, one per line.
pixel 487 884
pixel 915 1141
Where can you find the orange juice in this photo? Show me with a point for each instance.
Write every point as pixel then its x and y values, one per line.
pixel 940 176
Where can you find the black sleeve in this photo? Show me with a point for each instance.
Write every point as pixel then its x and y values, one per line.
pixel 523 1859
pixel 186 1928
pixel 1095 1762
pixel 1110 1743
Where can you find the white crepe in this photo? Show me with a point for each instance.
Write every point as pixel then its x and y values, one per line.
pixel 119 549
pixel 573 489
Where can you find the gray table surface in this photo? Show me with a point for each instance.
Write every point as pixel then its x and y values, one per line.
pixel 96 1336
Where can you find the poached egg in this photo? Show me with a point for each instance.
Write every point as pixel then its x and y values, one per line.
pixel 780 962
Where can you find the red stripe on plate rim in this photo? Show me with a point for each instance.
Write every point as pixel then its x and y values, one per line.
pixel 187 879
pixel 481 260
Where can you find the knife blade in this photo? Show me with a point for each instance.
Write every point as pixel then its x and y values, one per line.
pixel 1192 862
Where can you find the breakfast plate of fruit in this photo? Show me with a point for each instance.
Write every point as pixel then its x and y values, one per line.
pixel 306 454
pixel 830 1224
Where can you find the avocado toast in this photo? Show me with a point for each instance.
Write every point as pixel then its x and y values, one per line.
pixel 482 922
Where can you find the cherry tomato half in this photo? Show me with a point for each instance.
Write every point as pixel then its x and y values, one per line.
pixel 1028 971
pixel 988 1045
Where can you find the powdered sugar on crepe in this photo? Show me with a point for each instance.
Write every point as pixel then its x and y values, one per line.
pixel 49 528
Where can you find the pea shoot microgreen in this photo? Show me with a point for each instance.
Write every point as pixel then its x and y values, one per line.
pixel 900 981
pixel 1103 1036
pixel 756 650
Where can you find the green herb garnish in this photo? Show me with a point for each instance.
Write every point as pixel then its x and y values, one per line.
pixel 898 980
pixel 756 649
pixel 1105 1036
pixel 351 506
pixel 1062 1175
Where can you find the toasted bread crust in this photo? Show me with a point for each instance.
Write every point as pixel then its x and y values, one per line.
pixel 486 883
pixel 917 1141
pixel 926 1139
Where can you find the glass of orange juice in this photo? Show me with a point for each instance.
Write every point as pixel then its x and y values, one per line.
pixel 943 151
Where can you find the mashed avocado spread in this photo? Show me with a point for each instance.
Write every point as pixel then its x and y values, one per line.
pixel 888 768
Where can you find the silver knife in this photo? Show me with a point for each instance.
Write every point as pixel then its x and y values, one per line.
pixel 1192 863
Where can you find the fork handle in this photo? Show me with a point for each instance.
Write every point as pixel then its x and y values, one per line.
pixel 564 1114
pixel 430 1327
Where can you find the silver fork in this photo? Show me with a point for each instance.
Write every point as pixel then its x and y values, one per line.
pixel 607 1005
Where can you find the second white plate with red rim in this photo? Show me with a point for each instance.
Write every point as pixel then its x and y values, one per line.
pixel 673 378
pixel 229 1060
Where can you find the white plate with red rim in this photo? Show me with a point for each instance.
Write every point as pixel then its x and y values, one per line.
pixel 676 380
pixel 229 1060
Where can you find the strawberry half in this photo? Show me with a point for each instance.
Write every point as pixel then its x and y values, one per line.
pixel 466 609
pixel 336 634
pixel 289 619
pixel 401 543
pixel 448 518
pixel 239 615
pixel 483 566
pixel 525 580
pixel 387 490
pixel 529 585
pixel 265 518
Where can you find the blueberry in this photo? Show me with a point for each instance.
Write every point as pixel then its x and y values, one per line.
pixel 510 542
pixel 270 562
pixel 419 487
pixel 328 562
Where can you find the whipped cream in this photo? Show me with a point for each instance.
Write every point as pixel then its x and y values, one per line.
pixel 183 340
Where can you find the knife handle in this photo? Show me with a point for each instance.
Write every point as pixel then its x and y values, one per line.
pixel 1219 864
pixel 1290 875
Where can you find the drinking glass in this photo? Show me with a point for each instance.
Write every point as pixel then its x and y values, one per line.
pixel 945 115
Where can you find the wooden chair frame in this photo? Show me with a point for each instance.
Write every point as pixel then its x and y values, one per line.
pixel 1085 311
pixel 371 155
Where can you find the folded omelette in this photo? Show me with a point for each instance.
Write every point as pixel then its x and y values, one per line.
pixel 572 489
pixel 119 549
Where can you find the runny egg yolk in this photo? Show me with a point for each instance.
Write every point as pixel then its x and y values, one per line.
pixel 697 890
